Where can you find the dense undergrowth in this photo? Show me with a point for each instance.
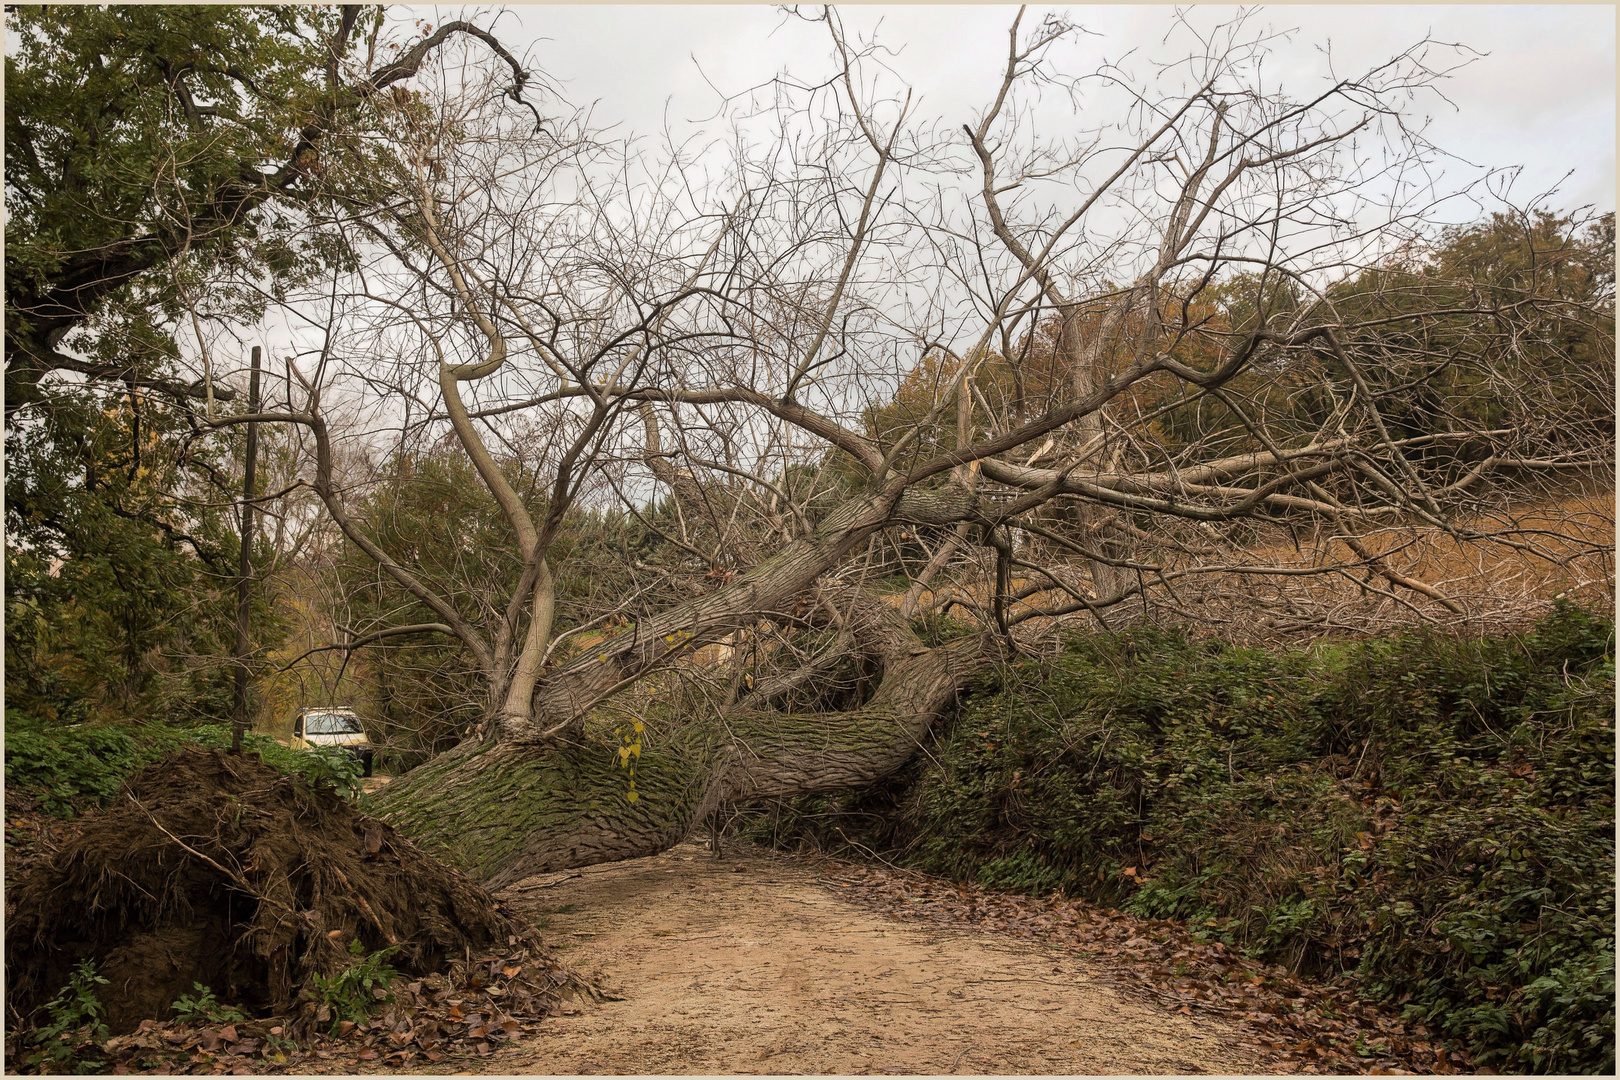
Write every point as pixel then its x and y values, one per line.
pixel 1431 819
pixel 70 768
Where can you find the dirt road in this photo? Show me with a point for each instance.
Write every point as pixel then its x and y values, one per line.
pixel 759 964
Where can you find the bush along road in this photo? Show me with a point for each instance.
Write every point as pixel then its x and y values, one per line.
pixel 1425 821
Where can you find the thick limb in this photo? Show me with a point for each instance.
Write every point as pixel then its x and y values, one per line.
pixel 503 810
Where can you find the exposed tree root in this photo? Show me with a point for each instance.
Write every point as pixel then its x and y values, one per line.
pixel 217 869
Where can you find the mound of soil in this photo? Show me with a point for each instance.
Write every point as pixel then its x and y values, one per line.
pixel 218 869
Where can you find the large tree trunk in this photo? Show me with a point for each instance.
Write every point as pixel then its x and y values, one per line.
pixel 568 693
pixel 503 810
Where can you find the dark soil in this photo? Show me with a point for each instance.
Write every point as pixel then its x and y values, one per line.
pixel 218 869
pixel 32 835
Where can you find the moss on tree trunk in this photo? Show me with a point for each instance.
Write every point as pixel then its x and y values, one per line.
pixel 504 810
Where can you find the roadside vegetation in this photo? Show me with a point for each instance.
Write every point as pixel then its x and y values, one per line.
pixel 1427 818
pixel 66 770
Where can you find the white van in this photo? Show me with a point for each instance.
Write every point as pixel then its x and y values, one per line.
pixel 333 725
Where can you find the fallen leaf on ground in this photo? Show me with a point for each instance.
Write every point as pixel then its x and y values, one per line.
pixel 1329 1030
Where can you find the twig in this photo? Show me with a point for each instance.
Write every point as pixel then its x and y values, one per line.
pixel 365 907
pixel 240 881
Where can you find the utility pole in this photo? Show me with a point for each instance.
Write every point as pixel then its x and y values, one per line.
pixel 244 577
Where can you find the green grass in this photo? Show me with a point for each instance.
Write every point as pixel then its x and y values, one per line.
pixel 1427 818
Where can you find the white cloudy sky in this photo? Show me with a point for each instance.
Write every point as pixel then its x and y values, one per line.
pixel 1542 97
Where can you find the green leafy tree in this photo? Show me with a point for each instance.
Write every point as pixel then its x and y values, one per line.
pixel 148 149
pixel 430 514
pixel 1506 324
pixel 139 143
pixel 162 168
pixel 116 579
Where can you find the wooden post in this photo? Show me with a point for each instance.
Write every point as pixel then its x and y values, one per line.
pixel 244 577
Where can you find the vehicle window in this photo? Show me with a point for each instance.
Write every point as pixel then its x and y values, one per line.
pixel 331 724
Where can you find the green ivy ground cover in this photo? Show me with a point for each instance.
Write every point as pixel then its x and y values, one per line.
pixel 1429 818
pixel 69 768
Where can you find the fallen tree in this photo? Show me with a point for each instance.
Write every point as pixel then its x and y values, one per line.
pixel 504 810
pixel 1271 369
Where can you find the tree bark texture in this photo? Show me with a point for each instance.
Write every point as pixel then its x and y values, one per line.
pixel 569 692
pixel 503 811
pixel 244 577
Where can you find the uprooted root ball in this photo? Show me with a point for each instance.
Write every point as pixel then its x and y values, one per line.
pixel 217 869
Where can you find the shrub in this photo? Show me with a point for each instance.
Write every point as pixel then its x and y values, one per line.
pixel 1428 818
pixel 205 1008
pixel 353 992
pixel 69 768
pixel 76 1023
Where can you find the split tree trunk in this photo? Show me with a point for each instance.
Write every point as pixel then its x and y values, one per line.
pixel 504 810
pixel 568 693
pixel 550 795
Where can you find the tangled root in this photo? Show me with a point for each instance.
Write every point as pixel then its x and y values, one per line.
pixel 218 869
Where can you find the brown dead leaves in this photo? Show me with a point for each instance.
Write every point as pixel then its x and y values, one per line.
pixel 478 1008
pixel 1298 1025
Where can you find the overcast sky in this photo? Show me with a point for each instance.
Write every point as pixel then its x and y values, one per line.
pixel 1542 96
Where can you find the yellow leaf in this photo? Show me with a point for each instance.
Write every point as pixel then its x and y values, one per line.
pixel 640 727
pixel 631 796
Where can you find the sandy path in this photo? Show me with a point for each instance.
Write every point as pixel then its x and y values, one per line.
pixel 754 964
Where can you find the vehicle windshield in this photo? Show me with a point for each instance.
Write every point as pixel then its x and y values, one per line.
pixel 323 723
